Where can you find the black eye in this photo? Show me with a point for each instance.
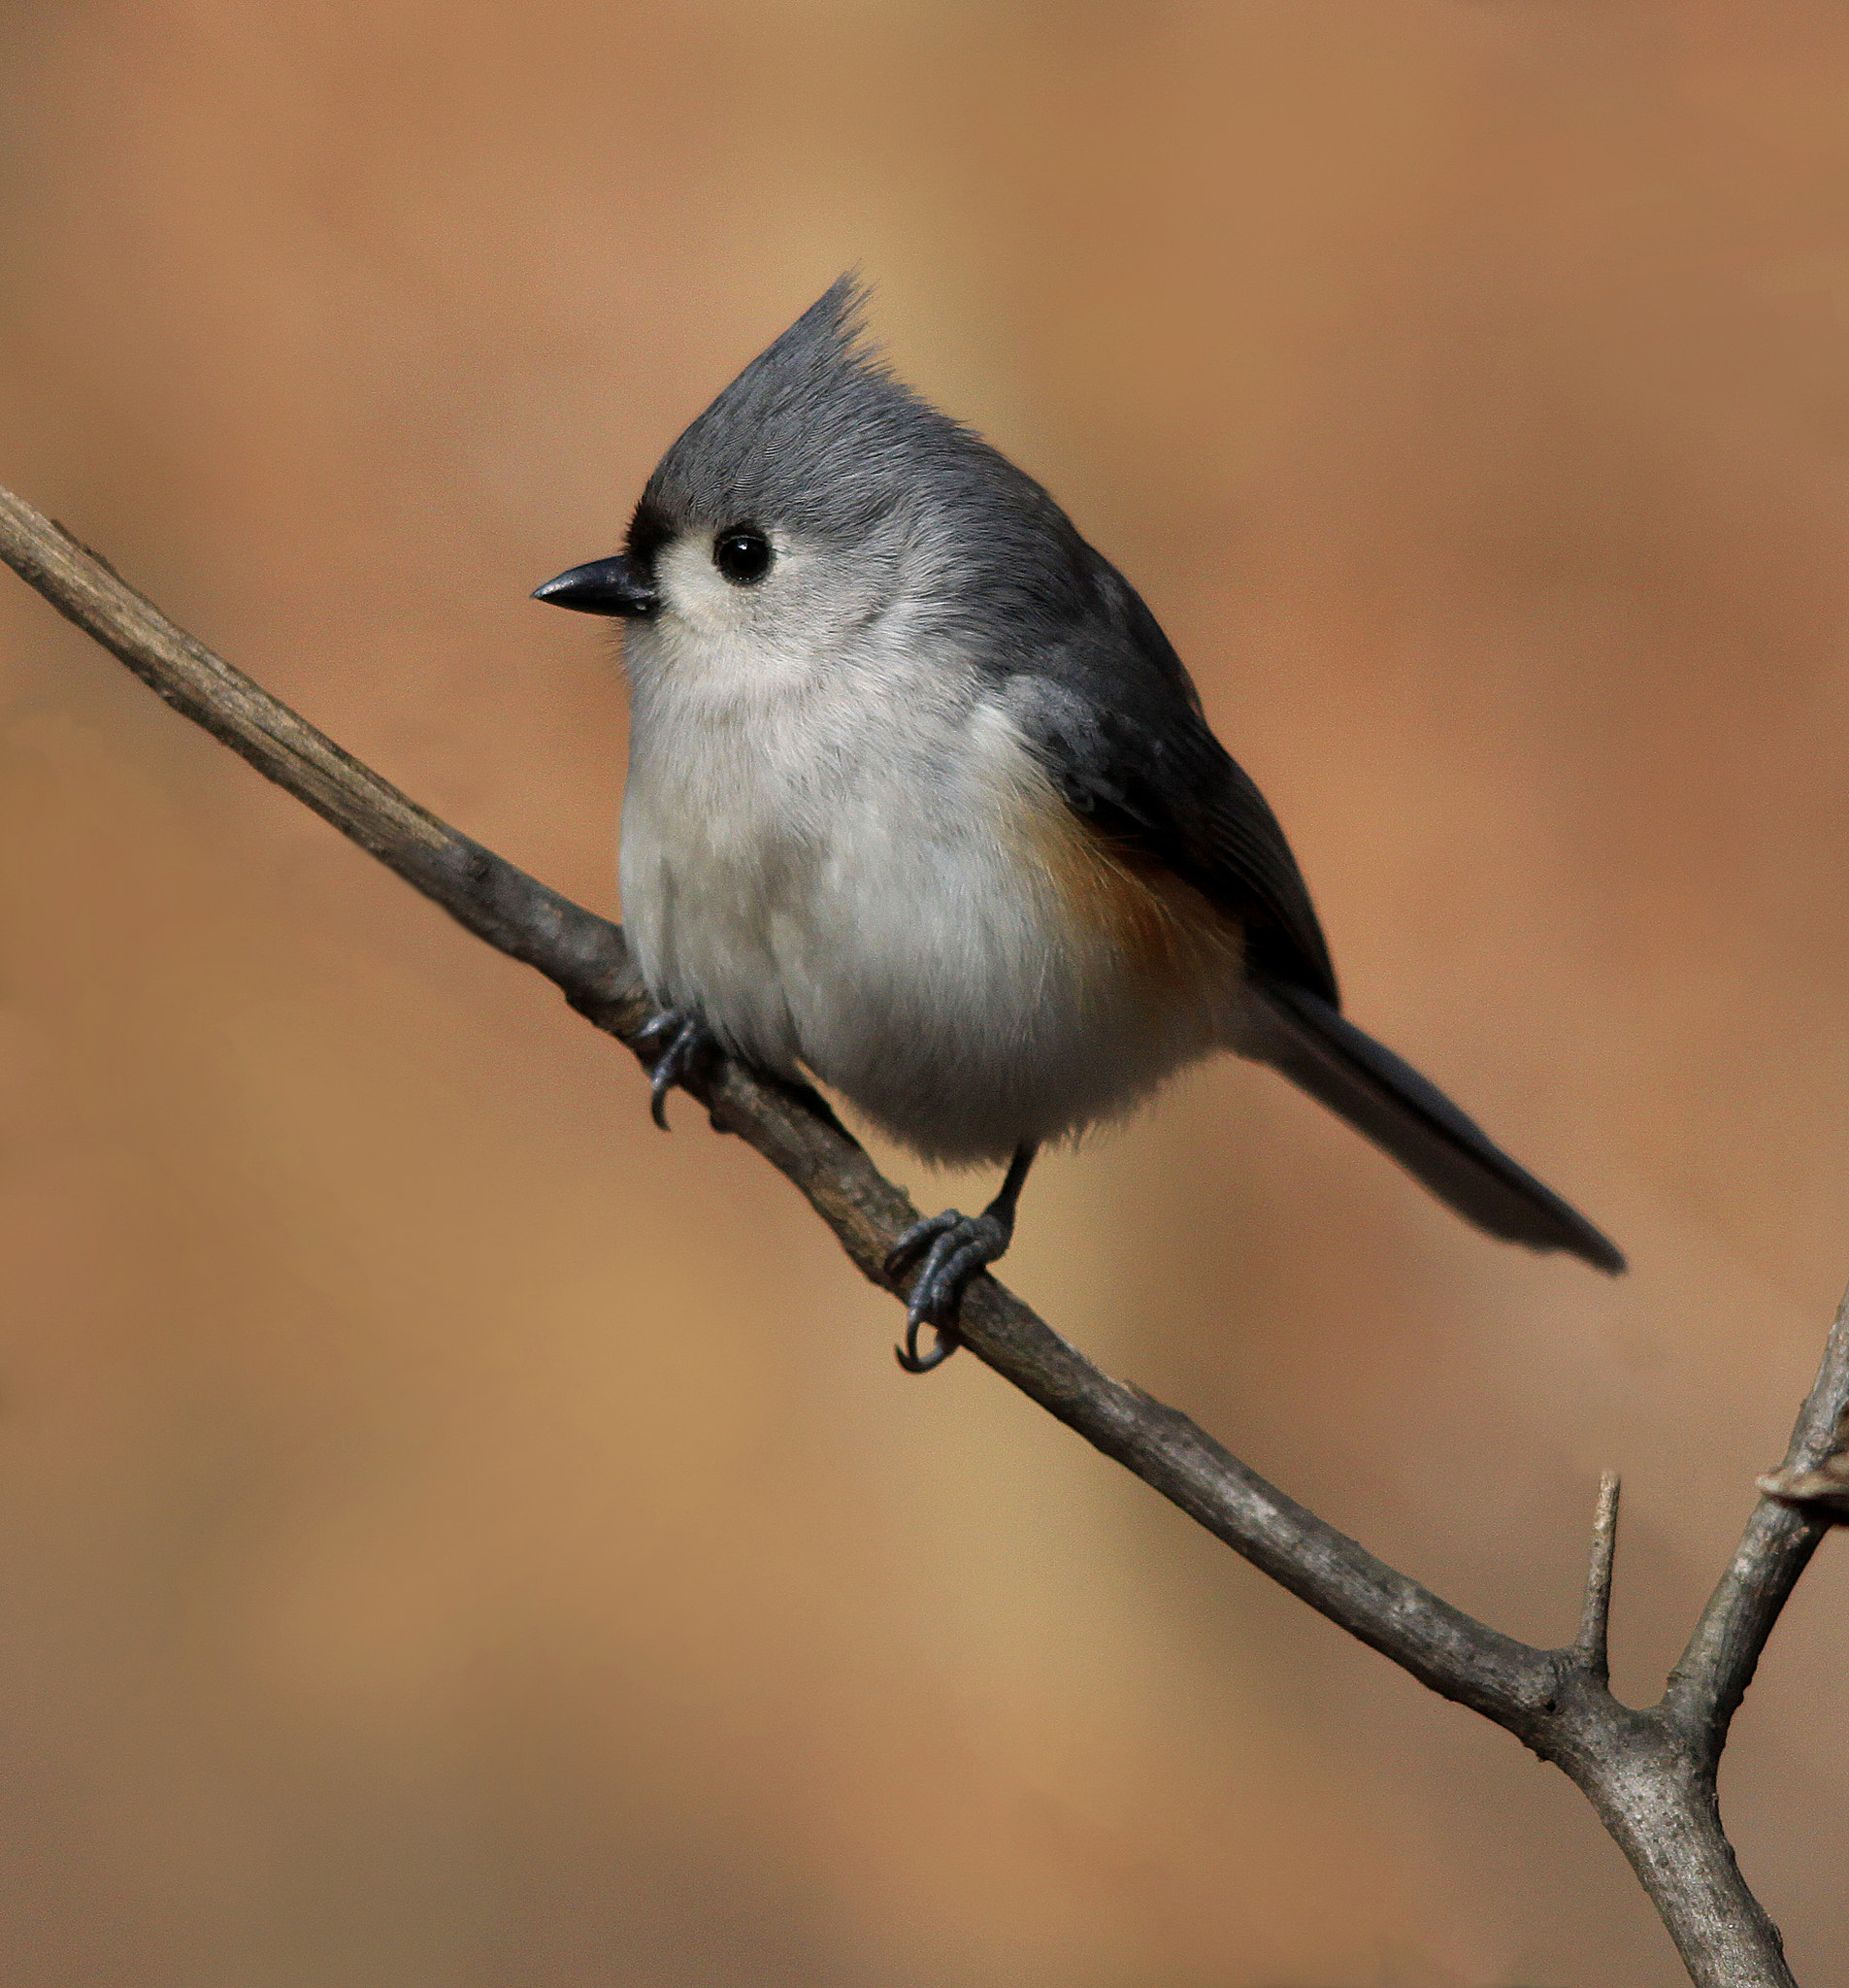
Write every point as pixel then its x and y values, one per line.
pixel 743 555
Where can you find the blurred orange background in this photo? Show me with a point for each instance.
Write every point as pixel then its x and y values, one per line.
pixel 450 1534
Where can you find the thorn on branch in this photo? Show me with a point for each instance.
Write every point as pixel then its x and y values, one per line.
pixel 1823 1493
pixel 1591 1645
pixel 1820 1490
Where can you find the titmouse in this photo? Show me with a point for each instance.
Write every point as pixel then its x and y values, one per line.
pixel 922 802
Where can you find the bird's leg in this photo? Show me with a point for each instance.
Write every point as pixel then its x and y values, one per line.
pixel 954 1247
pixel 684 1044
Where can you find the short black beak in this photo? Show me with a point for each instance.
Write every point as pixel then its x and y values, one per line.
pixel 605 586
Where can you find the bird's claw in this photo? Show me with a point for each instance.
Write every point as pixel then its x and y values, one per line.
pixel 685 1042
pixel 954 1247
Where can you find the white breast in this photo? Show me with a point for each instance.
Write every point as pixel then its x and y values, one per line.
pixel 856 872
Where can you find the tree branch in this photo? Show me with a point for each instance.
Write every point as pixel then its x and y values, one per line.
pixel 1649 1774
pixel 1796 1512
pixel 1592 1645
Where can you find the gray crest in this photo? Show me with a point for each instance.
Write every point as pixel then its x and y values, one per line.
pixel 816 436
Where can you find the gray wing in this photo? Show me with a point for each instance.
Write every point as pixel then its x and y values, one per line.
pixel 1120 730
pixel 1114 718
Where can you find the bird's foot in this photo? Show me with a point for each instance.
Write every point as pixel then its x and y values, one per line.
pixel 685 1046
pixel 954 1248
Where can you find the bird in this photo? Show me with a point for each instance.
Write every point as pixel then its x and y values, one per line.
pixel 922 804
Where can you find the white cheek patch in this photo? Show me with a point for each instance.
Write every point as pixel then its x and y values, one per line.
pixel 694 591
pixel 713 632
pixel 694 588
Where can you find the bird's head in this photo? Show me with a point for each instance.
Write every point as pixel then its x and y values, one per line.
pixel 816 498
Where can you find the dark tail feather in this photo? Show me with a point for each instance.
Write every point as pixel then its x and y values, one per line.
pixel 1390 1103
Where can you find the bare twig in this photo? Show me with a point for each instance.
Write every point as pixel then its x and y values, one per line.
pixel 1711 1677
pixel 1650 1775
pixel 1591 1645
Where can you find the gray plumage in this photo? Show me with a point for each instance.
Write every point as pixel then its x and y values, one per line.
pixel 929 809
